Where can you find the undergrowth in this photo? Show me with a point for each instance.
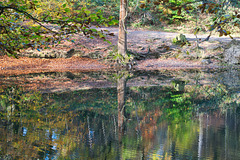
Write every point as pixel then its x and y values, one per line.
pixel 159 18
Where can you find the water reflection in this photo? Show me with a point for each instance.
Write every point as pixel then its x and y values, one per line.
pixel 121 92
pixel 155 115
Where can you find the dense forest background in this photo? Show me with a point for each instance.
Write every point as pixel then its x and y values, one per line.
pixel 41 23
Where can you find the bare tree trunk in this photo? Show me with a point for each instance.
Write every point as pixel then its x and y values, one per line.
pixel 122 36
pixel 121 89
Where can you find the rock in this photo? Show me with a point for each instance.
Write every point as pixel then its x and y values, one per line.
pixel 94 55
pixel 79 53
pixel 206 61
pixel 34 55
pixel 70 53
pixel 47 55
pixel 231 52
pixel 53 55
pixel 41 55
pixel 231 79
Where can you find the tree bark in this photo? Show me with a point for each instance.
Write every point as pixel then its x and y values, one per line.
pixel 122 36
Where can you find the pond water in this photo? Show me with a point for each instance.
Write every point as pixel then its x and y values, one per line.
pixel 183 114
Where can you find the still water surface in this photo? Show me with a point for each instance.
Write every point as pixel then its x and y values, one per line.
pixel 140 115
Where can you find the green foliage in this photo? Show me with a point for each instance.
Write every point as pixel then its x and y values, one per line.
pixel 108 7
pixel 181 40
pixel 40 23
pixel 223 14
pixel 169 11
pixel 114 56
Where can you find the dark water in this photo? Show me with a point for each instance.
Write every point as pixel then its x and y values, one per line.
pixel 139 115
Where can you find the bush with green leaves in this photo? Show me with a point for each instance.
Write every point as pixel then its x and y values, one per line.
pixel 38 24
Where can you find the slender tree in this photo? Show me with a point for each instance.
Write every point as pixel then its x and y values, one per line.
pixel 122 37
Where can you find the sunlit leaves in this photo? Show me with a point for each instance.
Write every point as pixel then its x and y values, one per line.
pixel 196 31
pixel 221 19
pixel 64 5
pixel 44 23
pixel 113 22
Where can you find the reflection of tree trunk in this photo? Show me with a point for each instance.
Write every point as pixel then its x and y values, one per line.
pixel 207 125
pixel 200 138
pixel 122 36
pixel 138 121
pixel 226 135
pixel 89 134
pixel 121 88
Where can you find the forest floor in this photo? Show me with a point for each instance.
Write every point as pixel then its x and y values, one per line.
pixel 139 42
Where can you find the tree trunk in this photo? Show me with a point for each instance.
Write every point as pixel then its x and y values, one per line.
pixel 122 36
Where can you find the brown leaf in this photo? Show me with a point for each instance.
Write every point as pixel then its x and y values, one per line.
pixel 167 48
pixel 142 6
pixel 179 11
pixel 221 33
pixel 183 44
pixel 156 3
pixel 174 8
pixel 111 34
pixel 203 7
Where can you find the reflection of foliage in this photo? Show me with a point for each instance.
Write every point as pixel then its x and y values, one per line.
pixel 184 135
pixel 176 106
pixel 129 150
pixel 82 100
pixel 21 108
pixel 85 122
pixel 180 109
pixel 14 100
pixel 31 126
pixel 210 95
